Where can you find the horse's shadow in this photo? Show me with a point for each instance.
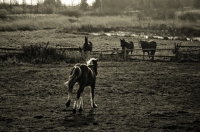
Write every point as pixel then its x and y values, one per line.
pixel 79 120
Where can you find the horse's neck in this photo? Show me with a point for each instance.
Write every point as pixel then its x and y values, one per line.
pixel 85 45
pixel 86 41
pixel 91 67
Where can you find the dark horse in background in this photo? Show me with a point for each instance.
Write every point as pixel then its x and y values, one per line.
pixel 129 46
pixel 149 47
pixel 87 46
pixel 85 75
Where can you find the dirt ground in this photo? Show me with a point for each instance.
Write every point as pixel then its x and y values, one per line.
pixel 131 96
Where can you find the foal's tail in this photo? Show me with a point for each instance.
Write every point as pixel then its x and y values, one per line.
pixel 74 75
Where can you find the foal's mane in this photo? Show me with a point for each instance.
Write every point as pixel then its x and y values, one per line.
pixel 89 62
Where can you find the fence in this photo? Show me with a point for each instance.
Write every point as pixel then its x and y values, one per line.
pixel 10 51
pixel 164 53
pixel 186 52
pixel 179 53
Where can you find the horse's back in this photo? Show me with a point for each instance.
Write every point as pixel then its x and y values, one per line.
pixel 87 76
pixel 148 44
pixel 131 45
pixel 128 45
pixel 153 44
pixel 84 69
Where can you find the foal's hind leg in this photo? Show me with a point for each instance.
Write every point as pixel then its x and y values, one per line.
pixel 81 104
pixel 78 104
pixel 69 93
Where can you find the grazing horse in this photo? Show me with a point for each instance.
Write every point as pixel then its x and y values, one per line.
pixel 87 46
pixel 148 46
pixel 85 75
pixel 128 45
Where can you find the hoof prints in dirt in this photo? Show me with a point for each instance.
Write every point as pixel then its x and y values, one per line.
pixel 180 120
pixel 5 119
pixel 38 117
pixel 78 120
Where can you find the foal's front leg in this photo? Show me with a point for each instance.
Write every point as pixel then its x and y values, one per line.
pixel 92 97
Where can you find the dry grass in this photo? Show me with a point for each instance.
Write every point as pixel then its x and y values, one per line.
pixel 87 23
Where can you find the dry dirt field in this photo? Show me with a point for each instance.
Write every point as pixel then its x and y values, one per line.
pixel 131 96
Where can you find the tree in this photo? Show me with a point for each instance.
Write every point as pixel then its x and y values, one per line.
pixel 173 4
pixel 84 5
pixel 196 4
pixel 24 6
pixel 50 2
pixel 96 4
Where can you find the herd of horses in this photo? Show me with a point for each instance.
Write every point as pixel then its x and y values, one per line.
pixel 147 46
pixel 85 74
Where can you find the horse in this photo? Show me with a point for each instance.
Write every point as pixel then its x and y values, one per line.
pixel 85 75
pixel 128 45
pixel 148 46
pixel 87 46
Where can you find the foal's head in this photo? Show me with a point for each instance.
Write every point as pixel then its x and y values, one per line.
pixel 93 63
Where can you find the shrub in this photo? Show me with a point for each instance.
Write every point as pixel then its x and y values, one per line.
pixel 160 14
pixel 70 13
pixel 17 10
pixel 189 31
pixel 189 16
pixel 49 9
pixel 3 13
pixel 41 53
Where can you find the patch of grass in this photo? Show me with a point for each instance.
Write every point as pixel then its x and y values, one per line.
pixel 71 13
pixel 94 24
pixel 43 54
pixel 34 23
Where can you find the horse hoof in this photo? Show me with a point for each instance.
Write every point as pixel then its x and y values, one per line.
pixel 68 103
pixel 74 111
pixel 94 106
pixel 80 110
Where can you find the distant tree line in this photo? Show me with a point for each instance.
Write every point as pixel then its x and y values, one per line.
pixel 107 7
pixel 124 5
pixel 45 7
